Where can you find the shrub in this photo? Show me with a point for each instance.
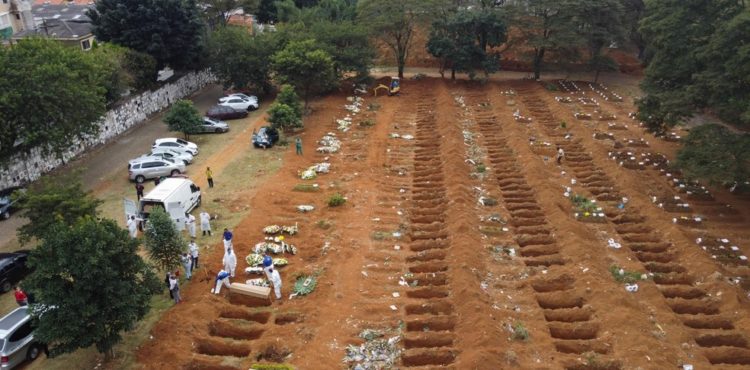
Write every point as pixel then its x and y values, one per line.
pixel 520 332
pixel 336 200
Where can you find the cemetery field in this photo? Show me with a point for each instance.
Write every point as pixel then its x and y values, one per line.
pixel 463 244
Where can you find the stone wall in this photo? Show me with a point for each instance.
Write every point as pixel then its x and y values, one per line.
pixel 24 168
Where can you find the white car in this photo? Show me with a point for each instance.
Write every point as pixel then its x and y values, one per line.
pixel 176 144
pixel 172 154
pixel 240 102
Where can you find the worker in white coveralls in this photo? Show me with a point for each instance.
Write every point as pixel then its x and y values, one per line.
pixel 205 223
pixel 190 224
pixel 133 227
pixel 276 281
pixel 230 261
pixel 222 278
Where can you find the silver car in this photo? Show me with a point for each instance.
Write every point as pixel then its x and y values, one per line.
pixel 145 168
pixel 174 155
pixel 17 339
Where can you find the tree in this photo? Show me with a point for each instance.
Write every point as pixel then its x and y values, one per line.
pixel 50 96
pixel 547 26
pixel 678 34
pixel 394 22
pixel 288 97
pixel 601 24
pixel 241 60
pixel 163 242
pixel 183 117
pixel 219 11
pixel 347 43
pixel 715 154
pixel 90 285
pixel 55 200
pixel 305 66
pixel 142 69
pixel 266 11
pixel 168 30
pixel 282 116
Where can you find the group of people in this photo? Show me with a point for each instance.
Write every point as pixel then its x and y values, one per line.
pixel 205 219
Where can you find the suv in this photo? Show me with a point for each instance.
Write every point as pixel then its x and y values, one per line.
pixel 153 167
pixel 177 144
pixel 8 204
pixel 12 268
pixel 17 339
pixel 266 137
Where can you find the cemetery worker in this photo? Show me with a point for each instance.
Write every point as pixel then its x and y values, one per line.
pixel 209 177
pixel 267 266
pixel 21 297
pixel 230 261
pixel 193 247
pixel 166 281
pixel 222 278
pixel 187 263
pixel 276 281
pixel 205 223
pixel 560 155
pixel 190 224
pixel 298 145
pixel 133 227
pixel 139 190
pixel 227 239
pixel 174 287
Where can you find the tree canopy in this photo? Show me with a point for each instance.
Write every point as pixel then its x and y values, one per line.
pixel 183 117
pixel 49 201
pixel 163 242
pixel 715 154
pixel 241 60
pixel 89 284
pixel 50 95
pixel 171 31
pixel 304 65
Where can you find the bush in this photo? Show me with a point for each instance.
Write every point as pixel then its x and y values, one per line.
pixel 283 117
pixel 336 200
pixel 520 332
pixel 481 168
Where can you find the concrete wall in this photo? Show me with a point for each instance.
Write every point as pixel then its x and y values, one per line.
pixel 24 168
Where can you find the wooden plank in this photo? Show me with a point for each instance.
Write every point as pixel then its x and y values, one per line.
pixel 250 290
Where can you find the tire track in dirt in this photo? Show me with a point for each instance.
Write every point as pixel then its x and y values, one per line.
pixel 711 329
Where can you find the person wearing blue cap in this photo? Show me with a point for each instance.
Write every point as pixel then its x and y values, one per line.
pixel 267 266
pixel 222 278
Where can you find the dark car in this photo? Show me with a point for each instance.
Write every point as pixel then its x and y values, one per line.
pixel 266 137
pixel 12 268
pixel 221 113
pixel 9 203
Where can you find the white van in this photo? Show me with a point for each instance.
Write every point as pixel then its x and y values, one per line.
pixel 177 196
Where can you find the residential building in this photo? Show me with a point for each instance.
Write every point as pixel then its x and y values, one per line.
pixel 64 21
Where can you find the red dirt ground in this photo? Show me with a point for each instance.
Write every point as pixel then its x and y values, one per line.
pixel 469 291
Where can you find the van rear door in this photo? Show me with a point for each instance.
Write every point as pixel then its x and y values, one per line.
pixel 178 215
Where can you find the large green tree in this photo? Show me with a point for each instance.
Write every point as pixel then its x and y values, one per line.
pixel 50 201
pixel 304 65
pixel 169 30
pixel 183 117
pixel 90 285
pixel 163 242
pixel 601 23
pixel 241 60
pixel 681 35
pixel 715 154
pixel 394 22
pixel 50 95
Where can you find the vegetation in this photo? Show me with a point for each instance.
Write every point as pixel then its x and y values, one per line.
pixel 715 154
pixel 163 242
pixel 183 117
pixel 217 12
pixel 50 96
pixel 520 332
pixel 336 200
pixel 622 276
pixel 55 201
pixel 171 31
pixel 304 65
pixel 583 204
pixel 288 97
pixel 241 60
pixel 90 285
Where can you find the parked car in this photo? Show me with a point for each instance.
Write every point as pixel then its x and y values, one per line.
pixel 239 102
pixel 8 204
pixel 266 137
pixel 175 155
pixel 13 268
pixel 251 98
pixel 175 143
pixel 17 342
pixel 146 168
pixel 223 113
pixel 212 126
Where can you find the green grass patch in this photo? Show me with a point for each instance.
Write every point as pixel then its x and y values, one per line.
pixel 520 332
pixel 583 204
pixel 336 200
pixel 491 230
pixel 481 168
pixel 306 188
pixel 622 276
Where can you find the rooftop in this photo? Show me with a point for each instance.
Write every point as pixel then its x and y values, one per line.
pixel 59 21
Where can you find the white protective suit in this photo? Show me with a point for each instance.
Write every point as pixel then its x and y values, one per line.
pixel 230 261
pixel 133 228
pixel 190 224
pixel 222 278
pixel 276 281
pixel 205 222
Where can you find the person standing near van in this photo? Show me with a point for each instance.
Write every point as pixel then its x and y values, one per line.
pixel 190 224
pixel 205 223
pixel 139 190
pixel 193 247
pixel 133 227
pixel 209 177
pixel 21 297
pixel 187 263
